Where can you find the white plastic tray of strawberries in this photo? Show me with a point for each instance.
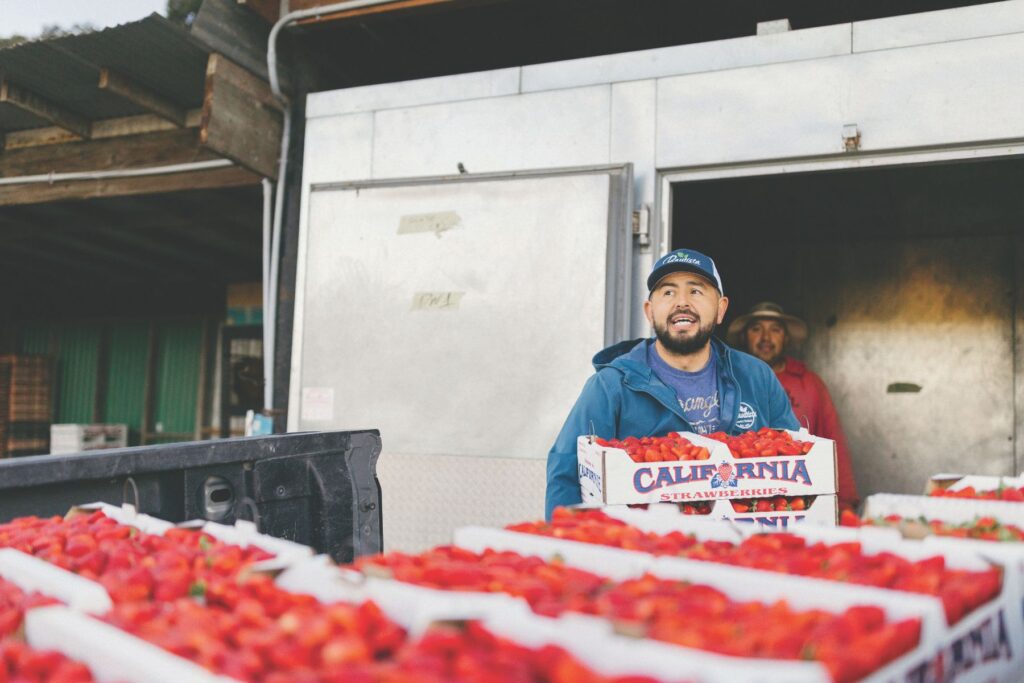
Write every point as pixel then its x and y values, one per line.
pixel 589 639
pixel 953 510
pixel 243 533
pixel 980 644
pixel 112 655
pixel 985 644
pixel 741 584
pixel 980 482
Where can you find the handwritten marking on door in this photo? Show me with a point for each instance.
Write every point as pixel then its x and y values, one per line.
pixel 436 301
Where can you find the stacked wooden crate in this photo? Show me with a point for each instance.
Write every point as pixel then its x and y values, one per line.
pixel 26 404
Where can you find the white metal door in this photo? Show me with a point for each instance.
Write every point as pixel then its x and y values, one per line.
pixel 459 315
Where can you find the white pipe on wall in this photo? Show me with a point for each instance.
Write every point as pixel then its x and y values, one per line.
pixel 270 321
pixel 117 173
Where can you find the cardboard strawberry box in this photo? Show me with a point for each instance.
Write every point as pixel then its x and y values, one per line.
pixel 610 476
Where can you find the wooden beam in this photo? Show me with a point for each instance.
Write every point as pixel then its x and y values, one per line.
pixel 241 119
pixel 101 129
pixel 231 176
pixel 268 10
pixel 176 146
pixel 114 260
pixel 37 105
pixel 127 89
pixel 63 264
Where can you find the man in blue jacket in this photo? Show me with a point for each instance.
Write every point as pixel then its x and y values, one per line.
pixel 682 379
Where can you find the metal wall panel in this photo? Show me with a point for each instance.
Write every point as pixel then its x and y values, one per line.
pixel 989 19
pixel 34 337
pixel 824 41
pixel 935 313
pixel 769 112
pixel 177 377
pixel 633 138
pixel 76 365
pixel 338 148
pixel 933 95
pixel 369 98
pixel 555 129
pixel 126 375
pixel 426 498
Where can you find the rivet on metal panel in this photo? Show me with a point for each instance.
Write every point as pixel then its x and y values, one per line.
pixel 851 137
pixel 280 491
pixel 366 531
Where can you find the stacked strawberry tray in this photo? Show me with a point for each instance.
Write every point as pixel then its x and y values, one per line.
pixel 753 470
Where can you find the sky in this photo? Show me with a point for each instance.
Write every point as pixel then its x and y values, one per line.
pixel 28 17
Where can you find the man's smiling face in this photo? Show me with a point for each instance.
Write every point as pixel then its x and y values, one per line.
pixel 684 309
pixel 766 339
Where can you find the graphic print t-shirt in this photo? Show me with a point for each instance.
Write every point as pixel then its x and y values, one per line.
pixel 697 392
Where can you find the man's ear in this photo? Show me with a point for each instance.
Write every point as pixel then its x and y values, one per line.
pixel 723 306
pixel 648 313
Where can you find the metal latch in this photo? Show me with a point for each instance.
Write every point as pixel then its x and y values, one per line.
pixel 851 137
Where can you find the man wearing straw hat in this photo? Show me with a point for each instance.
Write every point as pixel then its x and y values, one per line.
pixel 767 331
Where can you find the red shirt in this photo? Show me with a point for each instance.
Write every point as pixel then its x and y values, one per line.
pixel 813 408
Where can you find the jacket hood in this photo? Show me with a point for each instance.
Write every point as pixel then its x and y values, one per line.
pixel 630 357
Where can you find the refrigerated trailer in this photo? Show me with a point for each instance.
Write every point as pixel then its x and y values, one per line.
pixel 468 242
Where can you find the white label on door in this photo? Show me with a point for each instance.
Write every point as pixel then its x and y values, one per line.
pixel 318 403
pixel 428 222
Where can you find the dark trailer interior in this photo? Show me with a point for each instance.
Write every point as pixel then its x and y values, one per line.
pixel 910 279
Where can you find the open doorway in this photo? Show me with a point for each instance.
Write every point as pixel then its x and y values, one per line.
pixel 910 280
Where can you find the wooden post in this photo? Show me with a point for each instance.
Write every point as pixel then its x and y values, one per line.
pixel 241 119
pixel 99 408
pixel 204 355
pixel 149 386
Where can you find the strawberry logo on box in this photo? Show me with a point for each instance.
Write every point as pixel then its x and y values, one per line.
pixel 724 477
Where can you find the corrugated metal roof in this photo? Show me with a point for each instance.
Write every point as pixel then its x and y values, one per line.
pixel 153 52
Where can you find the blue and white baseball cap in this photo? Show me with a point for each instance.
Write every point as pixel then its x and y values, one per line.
pixel 684 261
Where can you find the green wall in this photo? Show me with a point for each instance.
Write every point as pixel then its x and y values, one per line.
pixel 77 348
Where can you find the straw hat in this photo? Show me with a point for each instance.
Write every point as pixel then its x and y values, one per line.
pixel 766 310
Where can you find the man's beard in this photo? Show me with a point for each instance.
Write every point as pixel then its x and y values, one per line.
pixel 686 346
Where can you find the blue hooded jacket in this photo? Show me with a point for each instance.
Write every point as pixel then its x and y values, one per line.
pixel 625 398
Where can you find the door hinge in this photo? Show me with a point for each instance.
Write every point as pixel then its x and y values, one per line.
pixel 642 226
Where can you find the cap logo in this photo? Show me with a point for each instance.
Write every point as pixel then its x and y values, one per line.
pixel 681 257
